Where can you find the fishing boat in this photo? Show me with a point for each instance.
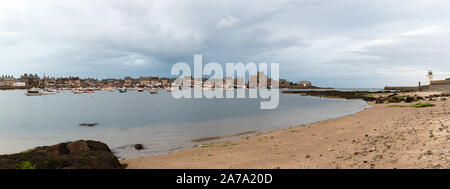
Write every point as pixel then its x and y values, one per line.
pixel 122 90
pixel 153 91
pixel 88 91
pixel 34 92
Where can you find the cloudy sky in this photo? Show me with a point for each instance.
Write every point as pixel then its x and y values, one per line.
pixel 334 43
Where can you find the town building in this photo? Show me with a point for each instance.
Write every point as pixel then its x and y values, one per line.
pixel 31 80
pixel 304 84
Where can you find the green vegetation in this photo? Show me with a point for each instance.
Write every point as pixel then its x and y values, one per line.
pixel 26 165
pixel 414 106
pixel 206 145
pixel 367 95
pixel 422 105
pixel 26 151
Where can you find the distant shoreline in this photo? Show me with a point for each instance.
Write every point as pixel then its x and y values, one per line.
pixel 25 88
pixel 3 88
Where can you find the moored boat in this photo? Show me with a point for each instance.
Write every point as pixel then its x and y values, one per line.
pixel 33 92
pixel 122 90
pixel 88 91
pixel 77 91
pixel 49 92
pixel 241 87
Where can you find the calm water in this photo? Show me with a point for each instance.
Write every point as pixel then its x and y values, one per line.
pixel 160 122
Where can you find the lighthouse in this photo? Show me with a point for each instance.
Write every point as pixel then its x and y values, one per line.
pixel 430 76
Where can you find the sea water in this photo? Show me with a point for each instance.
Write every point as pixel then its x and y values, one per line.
pixel 158 121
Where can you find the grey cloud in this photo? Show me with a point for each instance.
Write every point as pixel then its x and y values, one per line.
pixel 333 43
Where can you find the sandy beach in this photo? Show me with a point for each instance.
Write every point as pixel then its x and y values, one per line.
pixel 379 137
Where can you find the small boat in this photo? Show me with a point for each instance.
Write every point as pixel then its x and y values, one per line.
pixel 77 91
pixel 228 89
pixel 88 91
pixel 49 92
pixel 33 92
pixel 140 90
pixel 122 90
pixel 153 91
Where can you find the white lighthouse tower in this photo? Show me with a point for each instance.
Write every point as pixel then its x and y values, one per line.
pixel 430 76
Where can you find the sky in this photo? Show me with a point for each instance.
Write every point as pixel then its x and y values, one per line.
pixel 333 43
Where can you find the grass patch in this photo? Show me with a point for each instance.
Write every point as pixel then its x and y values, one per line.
pixel 422 105
pixel 26 151
pixel 367 95
pixel 414 106
pixel 26 165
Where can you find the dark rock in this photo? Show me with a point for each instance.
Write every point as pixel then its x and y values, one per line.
pixel 379 100
pixel 71 155
pixel 409 99
pixel 394 99
pixel 392 95
pixel 88 124
pixel 365 95
pixel 138 146
pixel 308 156
pixel 369 99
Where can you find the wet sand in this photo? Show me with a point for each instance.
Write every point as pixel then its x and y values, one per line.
pixel 379 137
pixel 220 137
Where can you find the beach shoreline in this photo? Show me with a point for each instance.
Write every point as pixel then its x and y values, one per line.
pixel 379 137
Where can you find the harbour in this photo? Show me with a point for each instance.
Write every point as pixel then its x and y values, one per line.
pixel 158 121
